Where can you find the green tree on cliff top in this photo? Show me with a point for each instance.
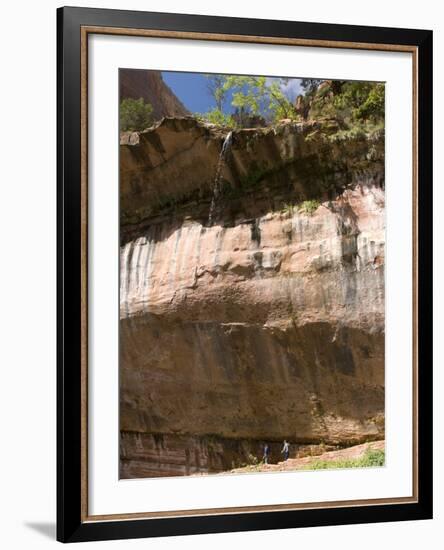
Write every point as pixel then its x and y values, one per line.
pixel 253 96
pixel 135 115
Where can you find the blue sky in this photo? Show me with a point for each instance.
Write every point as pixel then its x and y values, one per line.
pixel 191 89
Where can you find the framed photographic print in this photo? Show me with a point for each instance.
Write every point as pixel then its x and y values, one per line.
pixel 244 274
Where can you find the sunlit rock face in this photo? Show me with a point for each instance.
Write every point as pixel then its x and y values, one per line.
pixel 268 322
pixel 149 85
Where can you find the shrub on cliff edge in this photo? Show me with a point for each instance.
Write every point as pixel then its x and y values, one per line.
pixel 135 115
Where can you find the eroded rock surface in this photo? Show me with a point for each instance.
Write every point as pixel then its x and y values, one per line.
pixel 268 322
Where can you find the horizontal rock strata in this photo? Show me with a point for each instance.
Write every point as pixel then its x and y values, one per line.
pixel 265 322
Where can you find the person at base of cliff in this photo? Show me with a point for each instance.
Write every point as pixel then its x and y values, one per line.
pixel 266 453
pixel 286 449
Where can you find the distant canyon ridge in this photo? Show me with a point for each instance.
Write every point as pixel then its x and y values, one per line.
pixel 149 85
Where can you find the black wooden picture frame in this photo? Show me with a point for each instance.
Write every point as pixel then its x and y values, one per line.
pixel 73 522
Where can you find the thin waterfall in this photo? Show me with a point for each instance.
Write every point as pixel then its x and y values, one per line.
pixel 220 163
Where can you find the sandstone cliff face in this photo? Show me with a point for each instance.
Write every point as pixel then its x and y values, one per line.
pixel 149 85
pixel 265 322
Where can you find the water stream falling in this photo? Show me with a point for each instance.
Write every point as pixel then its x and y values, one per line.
pixel 217 178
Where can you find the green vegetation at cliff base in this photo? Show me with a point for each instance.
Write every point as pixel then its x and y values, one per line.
pixel 371 458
